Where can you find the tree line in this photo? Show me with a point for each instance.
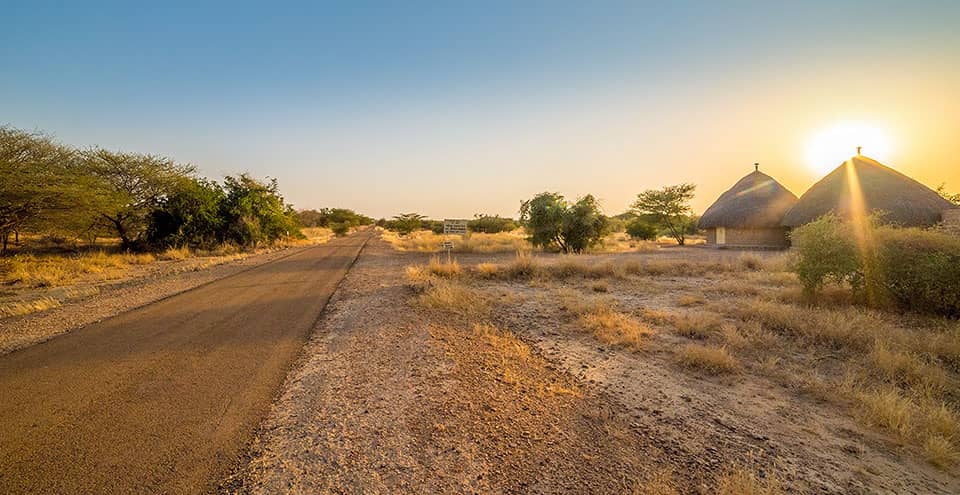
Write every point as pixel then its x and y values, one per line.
pixel 553 222
pixel 147 201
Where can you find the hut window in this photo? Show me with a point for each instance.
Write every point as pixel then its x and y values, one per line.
pixel 721 235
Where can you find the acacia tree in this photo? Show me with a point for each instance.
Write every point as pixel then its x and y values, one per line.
pixel 669 207
pixel 551 220
pixel 406 223
pixel 138 184
pixel 42 186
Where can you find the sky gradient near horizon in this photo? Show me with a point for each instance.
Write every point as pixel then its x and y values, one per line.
pixel 454 108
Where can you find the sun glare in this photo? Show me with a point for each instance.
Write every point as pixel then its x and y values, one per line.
pixel 831 146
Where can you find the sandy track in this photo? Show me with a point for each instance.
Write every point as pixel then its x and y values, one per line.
pixel 163 398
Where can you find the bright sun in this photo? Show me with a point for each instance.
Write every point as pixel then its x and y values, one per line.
pixel 829 147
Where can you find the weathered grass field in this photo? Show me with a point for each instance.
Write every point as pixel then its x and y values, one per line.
pixel 844 397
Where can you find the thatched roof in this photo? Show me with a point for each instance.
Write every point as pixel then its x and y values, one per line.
pixel 755 201
pixel 902 200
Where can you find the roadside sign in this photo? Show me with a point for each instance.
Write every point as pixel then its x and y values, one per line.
pixel 454 226
pixel 447 245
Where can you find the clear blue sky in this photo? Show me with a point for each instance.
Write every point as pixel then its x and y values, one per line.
pixel 451 108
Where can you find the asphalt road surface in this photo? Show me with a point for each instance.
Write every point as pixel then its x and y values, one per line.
pixel 162 399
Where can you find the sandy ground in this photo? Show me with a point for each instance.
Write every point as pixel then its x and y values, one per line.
pixel 392 398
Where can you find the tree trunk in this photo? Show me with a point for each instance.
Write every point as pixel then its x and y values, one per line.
pixel 16 237
pixel 5 236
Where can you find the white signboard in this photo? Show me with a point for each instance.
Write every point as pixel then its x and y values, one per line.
pixel 454 226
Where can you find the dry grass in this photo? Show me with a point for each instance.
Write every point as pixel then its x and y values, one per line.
pixel 453 297
pixel 744 482
pixel 600 286
pixel 688 300
pixel 52 270
pixel 317 235
pixel 426 241
pixel 19 308
pixel 711 359
pixel 698 325
pixel 608 325
pixel 487 270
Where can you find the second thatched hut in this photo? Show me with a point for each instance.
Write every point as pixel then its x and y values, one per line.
pixel 862 185
pixel 749 214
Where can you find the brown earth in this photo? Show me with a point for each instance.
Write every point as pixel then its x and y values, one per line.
pixel 391 397
pixel 163 398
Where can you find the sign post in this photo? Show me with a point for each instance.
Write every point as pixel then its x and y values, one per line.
pixel 453 226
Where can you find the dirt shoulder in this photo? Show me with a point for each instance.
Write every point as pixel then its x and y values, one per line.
pixel 392 398
pixel 88 303
pixel 514 395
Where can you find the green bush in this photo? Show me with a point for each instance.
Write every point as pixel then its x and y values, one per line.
pixel 915 269
pixel 638 229
pixel 826 252
pixel 488 224
pixel 550 220
pixel 918 269
pixel 340 229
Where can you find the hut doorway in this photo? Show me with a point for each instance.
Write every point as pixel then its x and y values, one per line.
pixel 721 235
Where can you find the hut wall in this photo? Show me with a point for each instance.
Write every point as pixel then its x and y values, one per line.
pixel 751 237
pixel 951 221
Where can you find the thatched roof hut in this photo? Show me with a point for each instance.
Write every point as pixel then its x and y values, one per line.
pixel 749 214
pixel 902 200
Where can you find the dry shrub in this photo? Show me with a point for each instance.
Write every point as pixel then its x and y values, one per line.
pixel 744 482
pixel 736 287
pixel 889 410
pixel 698 325
pixel 599 317
pixel 925 422
pixel 711 359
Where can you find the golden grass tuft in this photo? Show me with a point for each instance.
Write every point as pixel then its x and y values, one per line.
pixel 940 452
pixel 699 325
pixel 20 308
pixel 608 325
pixel 600 286
pixel 445 269
pixel 457 298
pixel 487 270
pixel 744 482
pixel 690 300
pixel 711 359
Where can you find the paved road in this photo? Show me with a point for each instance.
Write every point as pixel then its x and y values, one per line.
pixel 162 399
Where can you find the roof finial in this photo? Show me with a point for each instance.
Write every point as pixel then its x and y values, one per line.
pixel 756 167
pixel 858 150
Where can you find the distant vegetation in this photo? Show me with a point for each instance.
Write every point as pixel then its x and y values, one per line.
pixel 147 201
pixel 339 220
pixel 953 198
pixel 553 223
